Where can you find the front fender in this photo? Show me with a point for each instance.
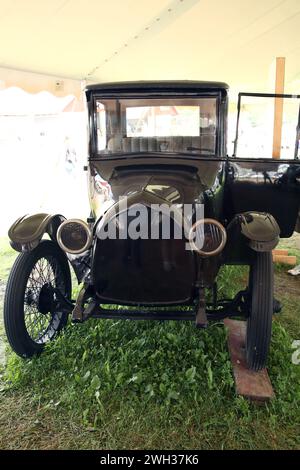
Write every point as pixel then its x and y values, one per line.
pixel 247 233
pixel 27 231
pixel 260 230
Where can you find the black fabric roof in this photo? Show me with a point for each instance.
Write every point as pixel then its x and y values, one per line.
pixel 153 86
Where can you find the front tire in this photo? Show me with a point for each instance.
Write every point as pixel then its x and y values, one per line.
pixel 259 322
pixel 31 314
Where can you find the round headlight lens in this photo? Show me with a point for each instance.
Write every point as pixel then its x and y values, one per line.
pixel 74 236
pixel 207 237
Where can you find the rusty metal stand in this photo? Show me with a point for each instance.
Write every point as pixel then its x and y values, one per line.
pixel 255 386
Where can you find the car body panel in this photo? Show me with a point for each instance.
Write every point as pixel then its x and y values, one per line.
pixel 271 186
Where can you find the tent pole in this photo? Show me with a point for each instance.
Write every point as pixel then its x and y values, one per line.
pixel 278 107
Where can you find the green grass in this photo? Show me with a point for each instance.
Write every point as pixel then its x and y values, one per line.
pixel 8 256
pixel 122 384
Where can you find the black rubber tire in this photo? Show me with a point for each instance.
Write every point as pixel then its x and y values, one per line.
pixel 259 322
pixel 14 321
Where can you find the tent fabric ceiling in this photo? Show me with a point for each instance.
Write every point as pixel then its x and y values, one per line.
pixel 233 41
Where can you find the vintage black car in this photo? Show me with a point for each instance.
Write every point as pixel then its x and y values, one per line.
pixel 156 148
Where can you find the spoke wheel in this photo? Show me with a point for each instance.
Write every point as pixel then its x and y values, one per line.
pixel 32 315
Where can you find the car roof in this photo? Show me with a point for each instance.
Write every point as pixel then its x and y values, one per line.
pixel 157 86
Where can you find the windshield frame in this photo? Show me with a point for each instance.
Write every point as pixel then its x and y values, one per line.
pixel 221 122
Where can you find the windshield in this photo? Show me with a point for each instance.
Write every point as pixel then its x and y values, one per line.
pixel 268 126
pixel 178 125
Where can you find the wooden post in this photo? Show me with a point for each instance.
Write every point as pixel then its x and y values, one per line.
pixel 253 385
pixel 278 107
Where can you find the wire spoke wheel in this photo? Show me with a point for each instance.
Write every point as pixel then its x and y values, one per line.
pixel 41 319
pixel 32 313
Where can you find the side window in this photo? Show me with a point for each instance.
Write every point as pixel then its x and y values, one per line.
pixel 267 126
pixel 101 126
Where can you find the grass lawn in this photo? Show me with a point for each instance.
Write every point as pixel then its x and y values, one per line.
pixel 161 385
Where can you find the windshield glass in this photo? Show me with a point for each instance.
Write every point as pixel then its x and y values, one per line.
pixel 178 125
pixel 268 127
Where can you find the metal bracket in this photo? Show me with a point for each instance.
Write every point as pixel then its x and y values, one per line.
pixel 201 318
pixel 81 313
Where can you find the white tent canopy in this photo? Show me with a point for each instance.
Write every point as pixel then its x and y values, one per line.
pixel 17 102
pixel 96 40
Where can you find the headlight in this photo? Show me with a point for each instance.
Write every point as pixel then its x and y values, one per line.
pixel 74 236
pixel 207 237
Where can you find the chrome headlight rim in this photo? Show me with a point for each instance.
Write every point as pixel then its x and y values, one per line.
pixel 218 250
pixel 88 232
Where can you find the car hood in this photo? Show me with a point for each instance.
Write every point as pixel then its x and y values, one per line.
pixel 180 182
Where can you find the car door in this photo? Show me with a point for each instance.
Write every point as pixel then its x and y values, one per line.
pixel 256 181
